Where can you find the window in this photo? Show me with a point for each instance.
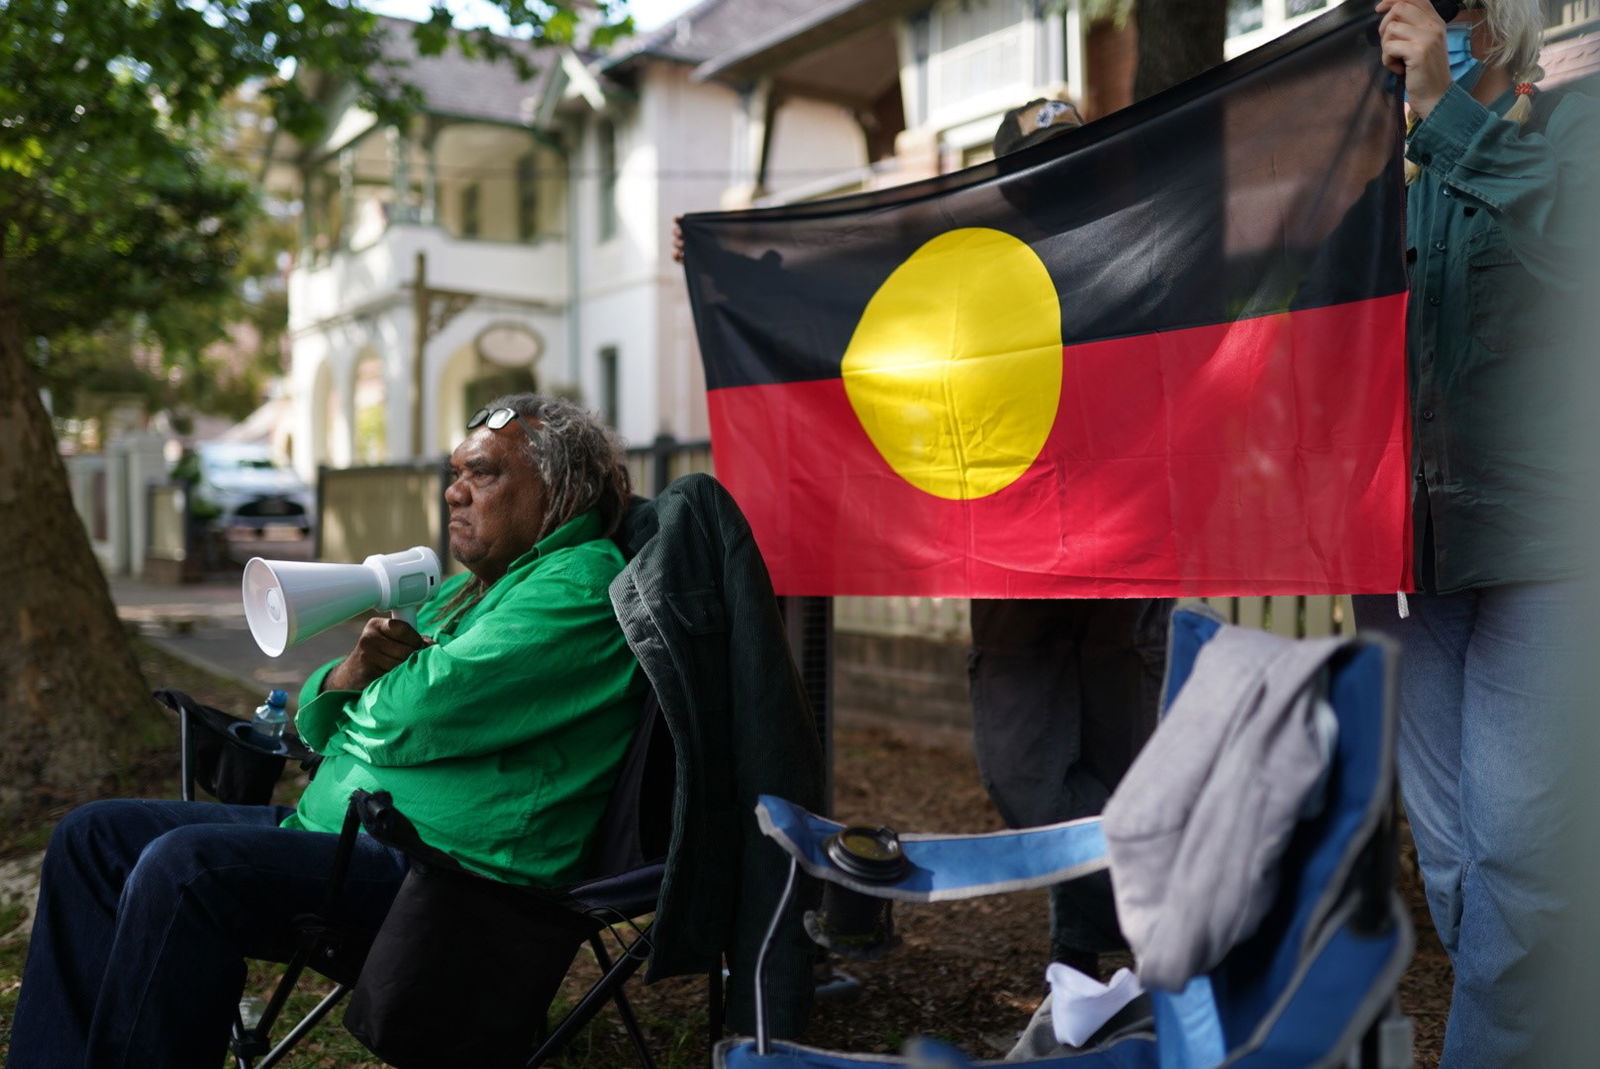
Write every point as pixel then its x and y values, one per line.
pixel 1566 14
pixel 610 404
pixel 1252 23
pixel 1245 16
pixel 981 52
pixel 528 197
pixel 333 212
pixel 471 202
pixel 371 419
pixel 606 162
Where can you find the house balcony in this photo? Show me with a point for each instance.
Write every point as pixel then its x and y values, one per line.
pixel 371 275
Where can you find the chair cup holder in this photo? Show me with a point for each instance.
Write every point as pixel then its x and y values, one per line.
pixel 242 733
pixel 854 924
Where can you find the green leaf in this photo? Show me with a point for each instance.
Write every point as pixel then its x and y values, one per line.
pixel 23 157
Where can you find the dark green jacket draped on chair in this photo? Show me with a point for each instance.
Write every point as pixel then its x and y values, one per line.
pixel 697 607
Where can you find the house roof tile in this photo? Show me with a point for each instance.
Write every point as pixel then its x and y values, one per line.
pixel 464 86
pixel 712 27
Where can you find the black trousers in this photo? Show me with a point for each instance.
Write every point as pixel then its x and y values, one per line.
pixel 1064 694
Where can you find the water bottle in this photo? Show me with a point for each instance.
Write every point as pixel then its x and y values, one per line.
pixel 250 1011
pixel 271 717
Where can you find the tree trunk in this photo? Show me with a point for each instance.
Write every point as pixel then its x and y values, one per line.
pixel 73 704
pixel 1177 40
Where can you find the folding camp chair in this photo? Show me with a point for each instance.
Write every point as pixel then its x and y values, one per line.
pixel 218 754
pixel 1314 984
pixel 631 846
pixel 630 860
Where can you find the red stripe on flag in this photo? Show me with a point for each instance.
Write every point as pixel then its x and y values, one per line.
pixel 1267 456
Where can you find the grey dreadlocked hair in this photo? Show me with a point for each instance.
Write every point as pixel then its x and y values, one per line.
pixel 578 458
pixel 580 463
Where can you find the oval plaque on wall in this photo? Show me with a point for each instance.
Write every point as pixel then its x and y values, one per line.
pixel 509 345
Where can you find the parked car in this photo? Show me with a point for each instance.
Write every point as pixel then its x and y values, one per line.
pixel 248 489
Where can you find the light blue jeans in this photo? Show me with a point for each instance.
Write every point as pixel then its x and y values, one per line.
pixel 1486 700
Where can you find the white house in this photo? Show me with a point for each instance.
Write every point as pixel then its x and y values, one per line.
pixel 517 235
pixel 935 78
pixel 931 79
pixel 650 143
pixel 469 196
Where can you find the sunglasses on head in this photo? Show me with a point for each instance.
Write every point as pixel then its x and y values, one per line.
pixel 495 418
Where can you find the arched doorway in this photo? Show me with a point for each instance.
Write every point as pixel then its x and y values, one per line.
pixel 503 358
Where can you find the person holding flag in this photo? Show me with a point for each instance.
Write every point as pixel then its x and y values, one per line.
pixel 1064 691
pixel 1502 176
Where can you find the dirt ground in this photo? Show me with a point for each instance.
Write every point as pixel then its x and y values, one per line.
pixel 973 971
pixel 970 972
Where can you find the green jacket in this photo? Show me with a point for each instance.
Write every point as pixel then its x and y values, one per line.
pixel 1497 234
pixel 502 739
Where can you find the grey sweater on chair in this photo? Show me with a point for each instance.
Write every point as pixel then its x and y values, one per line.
pixel 1197 826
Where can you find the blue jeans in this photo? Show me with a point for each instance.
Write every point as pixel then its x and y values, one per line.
pixel 147 911
pixel 1486 705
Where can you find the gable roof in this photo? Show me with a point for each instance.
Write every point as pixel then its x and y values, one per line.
pixel 464 86
pixel 820 25
pixel 709 29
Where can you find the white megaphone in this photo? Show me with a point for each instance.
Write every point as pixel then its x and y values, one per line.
pixel 287 601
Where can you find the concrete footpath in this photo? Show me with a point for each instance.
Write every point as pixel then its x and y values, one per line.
pixel 203 624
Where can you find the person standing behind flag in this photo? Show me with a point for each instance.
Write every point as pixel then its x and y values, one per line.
pixel 1064 692
pixel 1494 228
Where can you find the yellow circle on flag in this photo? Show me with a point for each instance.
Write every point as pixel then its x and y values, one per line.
pixel 955 368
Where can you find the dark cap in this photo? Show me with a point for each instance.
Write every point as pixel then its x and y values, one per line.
pixel 1036 121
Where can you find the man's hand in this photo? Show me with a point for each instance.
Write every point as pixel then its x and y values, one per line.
pixel 384 644
pixel 677 239
pixel 1411 36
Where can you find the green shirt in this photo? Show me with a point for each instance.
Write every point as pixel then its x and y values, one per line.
pixel 501 740
pixel 1498 239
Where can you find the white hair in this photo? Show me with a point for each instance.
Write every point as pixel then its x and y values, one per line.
pixel 1516 29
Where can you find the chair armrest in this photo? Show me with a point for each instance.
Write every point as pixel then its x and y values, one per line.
pixel 376 811
pixel 946 867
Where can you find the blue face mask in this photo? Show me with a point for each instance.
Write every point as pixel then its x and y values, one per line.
pixel 1458 49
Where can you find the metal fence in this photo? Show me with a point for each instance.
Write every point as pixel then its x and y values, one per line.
pixel 655 465
pixel 378 509
pixel 382 507
pixel 940 619
pixel 1294 616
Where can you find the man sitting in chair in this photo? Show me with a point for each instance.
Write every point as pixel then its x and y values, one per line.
pixel 498 729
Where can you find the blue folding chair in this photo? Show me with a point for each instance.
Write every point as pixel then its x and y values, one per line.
pixel 1313 985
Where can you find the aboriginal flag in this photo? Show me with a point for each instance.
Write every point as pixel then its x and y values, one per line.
pixel 1162 354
